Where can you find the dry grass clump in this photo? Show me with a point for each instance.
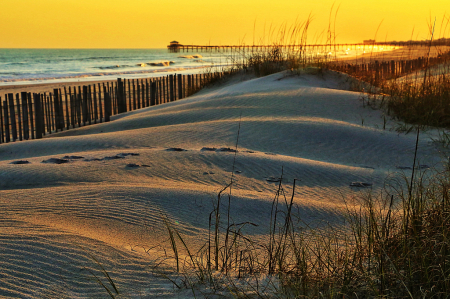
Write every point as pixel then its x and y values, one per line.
pixel 286 50
pixel 393 246
pixel 422 101
pixel 396 246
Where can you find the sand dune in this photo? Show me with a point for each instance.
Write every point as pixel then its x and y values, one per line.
pixel 115 180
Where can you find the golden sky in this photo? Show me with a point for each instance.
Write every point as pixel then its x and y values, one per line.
pixel 154 23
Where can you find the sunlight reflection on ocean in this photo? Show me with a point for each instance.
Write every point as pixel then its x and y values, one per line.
pixel 25 66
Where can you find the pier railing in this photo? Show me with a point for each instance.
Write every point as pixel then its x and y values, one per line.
pixel 323 47
pixel 26 116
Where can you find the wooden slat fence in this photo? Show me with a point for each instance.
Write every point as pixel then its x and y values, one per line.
pixel 376 71
pixel 26 116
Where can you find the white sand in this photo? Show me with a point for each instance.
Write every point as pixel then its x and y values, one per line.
pixel 53 215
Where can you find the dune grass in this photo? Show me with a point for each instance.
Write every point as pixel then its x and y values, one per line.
pixel 421 101
pixel 395 245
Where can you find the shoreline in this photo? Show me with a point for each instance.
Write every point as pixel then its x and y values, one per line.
pixel 41 87
pixel 44 87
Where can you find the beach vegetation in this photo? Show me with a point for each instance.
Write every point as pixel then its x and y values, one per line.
pixel 394 245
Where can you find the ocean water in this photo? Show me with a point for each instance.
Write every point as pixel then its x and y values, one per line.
pixel 25 66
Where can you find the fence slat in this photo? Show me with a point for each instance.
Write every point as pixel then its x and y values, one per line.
pixel 2 132
pixel 31 116
pixel 107 99
pixel 153 93
pixel 56 109
pixel 30 112
pixel 6 120
pixel 171 88
pixel 12 115
pixel 26 130
pixel 100 103
pixel 147 94
pixel 19 117
pixel 67 104
pixel 130 100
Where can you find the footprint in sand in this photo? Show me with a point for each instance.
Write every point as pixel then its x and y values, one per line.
pixel 120 156
pixel 176 149
pixel 93 159
pixel 273 179
pixel 73 157
pixel 226 149
pixel 20 162
pixel 56 161
pixel 115 157
pixel 132 165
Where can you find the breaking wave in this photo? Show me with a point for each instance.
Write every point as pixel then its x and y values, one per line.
pixel 68 77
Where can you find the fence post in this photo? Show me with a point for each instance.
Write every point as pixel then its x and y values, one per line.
pixel 95 104
pixel 91 105
pixel 56 109
pixel 144 92
pixel 147 84
pixel 44 107
pixel 377 70
pixel 130 101
pixel 189 85
pixel 160 95
pixel 100 103
pixel 180 86
pixel 167 99
pixel 26 130
pixel 84 104
pixel 157 91
pixel 108 106
pixel 66 104
pixel 134 96
pixel 153 94
pixel 30 112
pixel 171 88
pixel 163 85
pixel 19 117
pixel 38 115
pixel 53 112
pixel 61 111
pixel 6 119
pixel 2 133
pixel 138 94
pixel 121 105
pixel 12 116
pixel 73 106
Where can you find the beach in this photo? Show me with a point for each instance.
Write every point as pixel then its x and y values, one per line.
pixel 105 204
pixel 185 64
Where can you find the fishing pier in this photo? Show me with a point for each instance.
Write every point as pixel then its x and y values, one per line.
pixel 176 47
